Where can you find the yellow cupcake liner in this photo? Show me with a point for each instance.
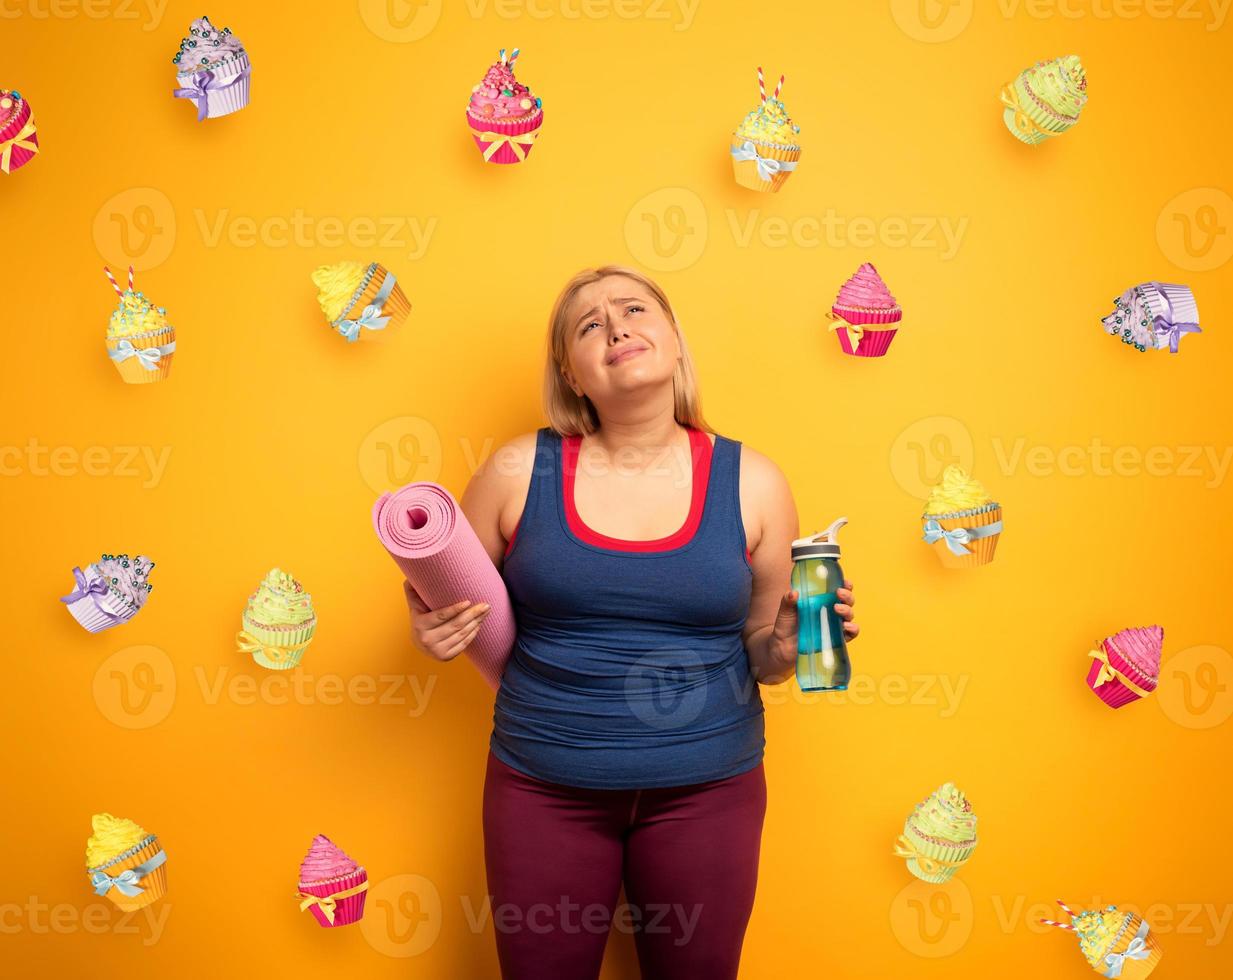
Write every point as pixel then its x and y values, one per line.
pixel 1131 967
pixel 951 857
pixel 746 171
pixel 153 885
pixel 276 647
pixel 397 307
pixel 131 369
pixel 982 549
pixel 1027 120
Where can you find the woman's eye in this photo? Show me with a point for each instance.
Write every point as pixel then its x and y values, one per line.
pixel 632 308
pixel 593 323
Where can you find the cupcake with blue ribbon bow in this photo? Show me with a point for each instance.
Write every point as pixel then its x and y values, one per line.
pixel 766 145
pixel 1116 944
pixel 140 341
pixel 360 299
pixel 961 521
pixel 125 863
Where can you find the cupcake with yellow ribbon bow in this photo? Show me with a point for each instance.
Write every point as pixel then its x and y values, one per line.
pixel 125 863
pixel 140 341
pixel 505 116
pixel 1126 665
pixel 332 886
pixel 961 520
pixel 939 835
pixel 766 146
pixel 278 623
pixel 19 140
pixel 357 297
pixel 1114 943
pixel 1045 100
pixel 865 315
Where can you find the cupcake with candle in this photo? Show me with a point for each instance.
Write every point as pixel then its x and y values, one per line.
pixel 212 70
pixel 110 591
pixel 1126 665
pixel 332 886
pixel 865 315
pixel 505 116
pixel 939 835
pixel 19 140
pixel 278 623
pixel 1045 100
pixel 140 341
pixel 357 297
pixel 125 863
pixel 962 522
pixel 1153 316
pixel 1114 943
pixel 767 144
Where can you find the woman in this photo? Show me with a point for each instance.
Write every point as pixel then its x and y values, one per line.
pixel 646 559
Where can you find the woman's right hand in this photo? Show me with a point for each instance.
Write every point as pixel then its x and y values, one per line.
pixel 446 632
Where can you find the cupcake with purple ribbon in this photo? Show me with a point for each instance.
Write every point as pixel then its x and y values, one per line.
pixel 213 70
pixel 1153 316
pixel 109 591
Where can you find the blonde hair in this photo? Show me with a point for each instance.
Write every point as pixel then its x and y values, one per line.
pixel 570 414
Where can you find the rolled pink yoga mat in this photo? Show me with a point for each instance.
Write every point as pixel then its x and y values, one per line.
pixel 430 540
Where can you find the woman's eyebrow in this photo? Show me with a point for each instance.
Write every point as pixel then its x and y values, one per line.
pixel 618 299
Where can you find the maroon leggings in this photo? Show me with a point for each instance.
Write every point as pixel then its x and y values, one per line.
pixel 556 857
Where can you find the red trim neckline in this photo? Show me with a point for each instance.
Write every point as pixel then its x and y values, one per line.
pixel 701 451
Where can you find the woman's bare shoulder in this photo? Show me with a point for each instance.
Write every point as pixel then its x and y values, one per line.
pixel 766 497
pixel 496 492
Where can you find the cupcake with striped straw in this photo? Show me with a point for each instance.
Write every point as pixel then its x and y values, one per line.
pixel 505 116
pixel 766 145
pixel 1116 944
pixel 140 341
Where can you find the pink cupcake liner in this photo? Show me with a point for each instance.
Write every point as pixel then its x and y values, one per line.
pixel 873 343
pixel 346 910
pixel 1113 692
pixel 19 156
pixel 519 127
pixel 858 315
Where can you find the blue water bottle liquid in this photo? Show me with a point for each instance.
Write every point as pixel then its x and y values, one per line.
pixel 821 654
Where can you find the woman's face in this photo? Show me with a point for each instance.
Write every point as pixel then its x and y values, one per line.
pixel 617 338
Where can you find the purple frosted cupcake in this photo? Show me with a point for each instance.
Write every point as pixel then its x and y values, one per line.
pixel 110 591
pixel 213 70
pixel 1153 316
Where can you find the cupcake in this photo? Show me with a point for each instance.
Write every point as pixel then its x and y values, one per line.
pixel 864 300
pixel 939 835
pixel 110 591
pixel 1045 100
pixel 1114 943
pixel 140 341
pixel 1127 665
pixel 19 139
pixel 278 623
pixel 332 886
pixel 125 863
pixel 212 69
pixel 962 521
pixel 1153 316
pixel 354 296
pixel 504 115
pixel 767 144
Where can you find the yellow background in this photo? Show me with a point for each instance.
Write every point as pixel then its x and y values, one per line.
pixel 280 432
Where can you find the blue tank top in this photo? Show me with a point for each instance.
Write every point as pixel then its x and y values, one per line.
pixel 629 670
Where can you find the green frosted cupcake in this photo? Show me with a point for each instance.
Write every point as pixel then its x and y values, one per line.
pixel 939 836
pixel 278 623
pixel 1045 100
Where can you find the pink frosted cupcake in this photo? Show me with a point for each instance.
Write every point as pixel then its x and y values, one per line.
pixel 19 140
pixel 1127 665
pixel 332 886
pixel 505 117
pixel 863 300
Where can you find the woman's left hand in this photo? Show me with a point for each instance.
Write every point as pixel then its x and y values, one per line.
pixel 843 609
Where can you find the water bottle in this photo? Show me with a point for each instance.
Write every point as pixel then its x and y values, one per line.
pixel 821 654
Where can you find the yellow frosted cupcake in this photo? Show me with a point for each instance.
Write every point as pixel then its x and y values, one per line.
pixel 962 521
pixel 278 623
pixel 1045 100
pixel 939 836
pixel 125 863
pixel 1114 943
pixel 355 297
pixel 140 341
pixel 766 145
